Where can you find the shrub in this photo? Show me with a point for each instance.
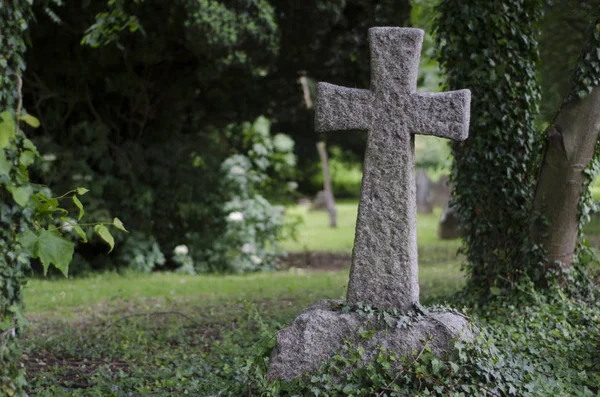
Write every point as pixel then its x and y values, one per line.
pixel 141 253
pixel 251 226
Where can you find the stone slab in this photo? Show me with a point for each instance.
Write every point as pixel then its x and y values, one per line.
pixel 320 331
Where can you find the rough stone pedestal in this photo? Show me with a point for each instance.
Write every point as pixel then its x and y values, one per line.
pixel 320 331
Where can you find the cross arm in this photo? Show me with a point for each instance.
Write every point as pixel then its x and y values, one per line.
pixel 442 114
pixel 341 108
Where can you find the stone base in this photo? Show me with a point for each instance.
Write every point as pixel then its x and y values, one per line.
pixel 320 331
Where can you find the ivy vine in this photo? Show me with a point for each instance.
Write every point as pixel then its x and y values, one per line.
pixel 491 48
pixel 28 214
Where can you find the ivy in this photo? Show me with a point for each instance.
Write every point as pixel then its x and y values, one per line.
pixel 585 77
pixel 491 48
pixel 27 214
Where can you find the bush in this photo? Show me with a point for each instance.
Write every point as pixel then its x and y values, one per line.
pixel 177 194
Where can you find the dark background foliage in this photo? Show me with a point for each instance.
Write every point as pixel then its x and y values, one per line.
pixel 145 117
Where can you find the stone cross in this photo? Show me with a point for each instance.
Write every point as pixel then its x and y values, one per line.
pixel 384 259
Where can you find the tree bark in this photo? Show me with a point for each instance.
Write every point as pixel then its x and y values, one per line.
pixel 569 151
pixel 327 185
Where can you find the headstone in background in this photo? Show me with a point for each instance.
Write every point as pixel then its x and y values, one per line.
pixel 384 269
pixel 319 203
pixel 423 185
pixel 449 227
pixel 440 192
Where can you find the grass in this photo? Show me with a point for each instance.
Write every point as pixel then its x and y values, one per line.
pixel 316 235
pixel 169 334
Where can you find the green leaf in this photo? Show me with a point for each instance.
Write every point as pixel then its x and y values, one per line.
pixel 29 241
pixel 78 229
pixel 119 225
pixel 47 208
pixel 7 133
pixel 495 291
pixel 78 205
pixel 81 191
pixel 42 198
pixel 50 247
pixel 105 235
pixel 6 116
pixel 80 232
pixel 30 120
pixel 5 165
pixel 21 195
pixel 27 144
pixel 27 158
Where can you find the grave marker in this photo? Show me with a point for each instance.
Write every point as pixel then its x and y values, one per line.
pixel 384 259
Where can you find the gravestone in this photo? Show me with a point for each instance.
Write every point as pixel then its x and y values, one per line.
pixel 319 203
pixel 384 269
pixel 423 188
pixel 449 226
pixel 441 192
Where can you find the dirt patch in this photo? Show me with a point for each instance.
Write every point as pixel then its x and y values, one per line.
pixel 317 261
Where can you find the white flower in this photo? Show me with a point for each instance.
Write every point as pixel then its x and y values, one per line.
pixel 247 248
pixel 256 260
pixel 235 216
pixel 237 170
pixel 49 157
pixel 181 250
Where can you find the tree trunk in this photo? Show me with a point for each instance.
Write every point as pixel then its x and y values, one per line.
pixel 327 185
pixel 569 151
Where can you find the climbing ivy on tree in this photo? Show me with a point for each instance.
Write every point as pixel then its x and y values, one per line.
pixel 490 47
pixel 14 218
pixel 28 214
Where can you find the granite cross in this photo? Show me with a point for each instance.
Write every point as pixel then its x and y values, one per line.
pixel 384 259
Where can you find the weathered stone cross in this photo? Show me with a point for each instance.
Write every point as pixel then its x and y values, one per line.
pixel 384 260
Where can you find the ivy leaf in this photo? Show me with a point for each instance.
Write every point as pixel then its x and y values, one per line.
pixel 78 205
pixel 27 158
pixel 27 144
pixel 119 225
pixel 5 165
pixel 105 235
pixel 30 120
pixel 21 195
pixel 7 132
pixel 81 191
pixel 50 247
pixel 6 116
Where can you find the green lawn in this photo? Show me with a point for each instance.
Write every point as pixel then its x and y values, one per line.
pixel 316 235
pixel 170 334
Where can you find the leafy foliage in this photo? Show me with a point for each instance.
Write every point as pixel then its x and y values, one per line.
pixel 252 227
pixel 546 348
pixel 15 190
pixel 565 27
pixel 496 164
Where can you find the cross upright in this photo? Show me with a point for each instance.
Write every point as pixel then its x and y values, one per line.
pixel 384 268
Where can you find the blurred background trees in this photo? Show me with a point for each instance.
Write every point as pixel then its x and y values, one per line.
pixel 144 101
